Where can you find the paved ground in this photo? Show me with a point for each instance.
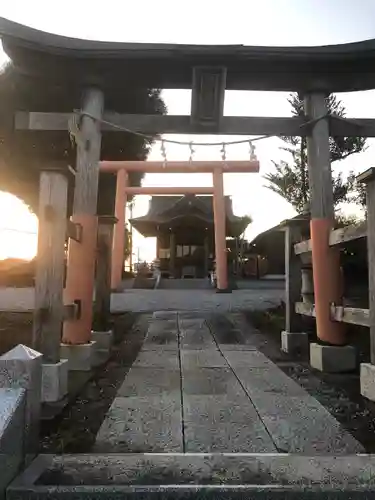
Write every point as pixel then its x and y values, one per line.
pixel 260 296
pixel 198 385
pixel 196 300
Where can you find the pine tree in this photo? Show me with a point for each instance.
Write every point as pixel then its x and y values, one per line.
pixel 291 180
pixel 23 153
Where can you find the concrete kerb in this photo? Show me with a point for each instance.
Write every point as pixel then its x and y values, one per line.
pixel 262 476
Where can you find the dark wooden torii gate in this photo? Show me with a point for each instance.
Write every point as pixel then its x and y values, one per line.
pixel 94 67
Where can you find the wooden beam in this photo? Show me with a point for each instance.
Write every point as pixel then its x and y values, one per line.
pixel 351 315
pixel 318 155
pixel 305 308
pixel 302 247
pixel 72 311
pixel 88 154
pixel 340 314
pixel 337 237
pixel 168 190
pixel 348 233
pixel 293 279
pixel 181 124
pixel 166 124
pixel 207 95
pixel 74 231
pixel 180 167
pixel 50 265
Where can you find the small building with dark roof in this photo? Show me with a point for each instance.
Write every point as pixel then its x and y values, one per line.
pixel 184 229
pixel 269 246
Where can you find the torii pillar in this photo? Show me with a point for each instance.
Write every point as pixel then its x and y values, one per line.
pixel 82 255
pixel 330 352
pixel 118 250
pixel 220 231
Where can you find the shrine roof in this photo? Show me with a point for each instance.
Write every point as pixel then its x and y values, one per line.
pixel 343 67
pixel 175 211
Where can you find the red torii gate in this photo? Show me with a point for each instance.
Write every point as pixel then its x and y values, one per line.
pixel 73 330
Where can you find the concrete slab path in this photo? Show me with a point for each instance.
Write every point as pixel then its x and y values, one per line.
pixel 200 386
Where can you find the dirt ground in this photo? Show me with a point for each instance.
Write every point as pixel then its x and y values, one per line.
pixel 15 328
pixel 339 393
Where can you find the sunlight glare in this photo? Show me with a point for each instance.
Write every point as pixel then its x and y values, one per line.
pixel 18 229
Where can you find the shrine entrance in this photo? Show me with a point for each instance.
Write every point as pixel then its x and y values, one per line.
pixel 100 72
pixel 217 191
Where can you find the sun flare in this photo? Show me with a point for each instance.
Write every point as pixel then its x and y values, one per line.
pixel 18 229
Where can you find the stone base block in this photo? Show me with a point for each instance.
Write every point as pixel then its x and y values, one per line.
pixel 54 381
pixel 80 357
pixel 104 340
pixel 294 343
pixel 333 359
pixel 12 432
pixel 367 380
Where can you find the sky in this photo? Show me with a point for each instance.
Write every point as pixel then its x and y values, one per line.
pixel 247 22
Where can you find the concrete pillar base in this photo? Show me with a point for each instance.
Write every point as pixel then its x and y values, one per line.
pixel 333 359
pixel 294 343
pixel 80 357
pixel 54 381
pixel 367 379
pixel 104 341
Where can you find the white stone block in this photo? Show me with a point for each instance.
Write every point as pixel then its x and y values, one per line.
pixel 367 379
pixel 21 367
pixel 80 357
pixel 104 340
pixel 12 434
pixel 333 359
pixel 294 343
pixel 54 381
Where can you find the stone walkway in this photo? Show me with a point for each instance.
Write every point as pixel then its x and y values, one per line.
pixel 199 386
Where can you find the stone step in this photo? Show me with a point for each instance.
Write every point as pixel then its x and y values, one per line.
pixel 198 476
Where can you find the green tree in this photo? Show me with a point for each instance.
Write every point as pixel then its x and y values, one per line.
pixel 290 179
pixel 22 153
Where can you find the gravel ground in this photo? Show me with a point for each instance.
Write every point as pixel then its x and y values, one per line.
pixel 196 300
pixel 262 295
pixel 339 393
pixel 74 431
